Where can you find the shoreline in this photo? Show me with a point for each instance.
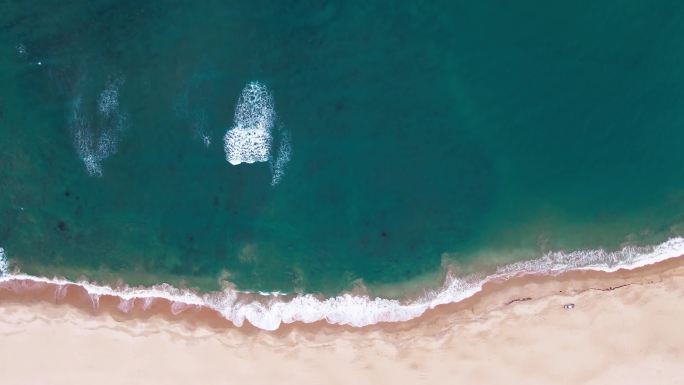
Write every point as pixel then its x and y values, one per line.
pixel 275 311
pixel 625 328
pixel 491 295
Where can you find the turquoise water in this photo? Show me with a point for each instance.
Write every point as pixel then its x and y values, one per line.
pixel 420 135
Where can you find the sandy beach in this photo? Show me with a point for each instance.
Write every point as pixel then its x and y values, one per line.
pixel 625 328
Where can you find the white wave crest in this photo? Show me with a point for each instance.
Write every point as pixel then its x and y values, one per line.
pixel 92 148
pixel 629 257
pixel 270 311
pixel 250 139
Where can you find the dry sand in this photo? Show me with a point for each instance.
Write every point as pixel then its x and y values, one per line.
pixel 626 328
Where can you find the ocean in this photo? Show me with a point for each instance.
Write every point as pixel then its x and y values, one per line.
pixel 320 148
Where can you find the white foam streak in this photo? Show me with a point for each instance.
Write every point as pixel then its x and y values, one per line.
pixel 283 157
pixel 629 257
pixel 60 293
pixel 147 302
pixel 270 310
pixel 125 305
pixel 4 265
pixel 95 299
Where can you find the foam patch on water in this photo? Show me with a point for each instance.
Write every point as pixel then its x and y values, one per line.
pixel 94 148
pixel 4 265
pixel 269 311
pixel 250 139
pixel 283 157
pixel 255 108
pixel 108 100
pixel 200 126
pixel 247 146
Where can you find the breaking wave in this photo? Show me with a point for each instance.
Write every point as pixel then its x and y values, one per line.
pixel 97 139
pixel 269 311
pixel 250 139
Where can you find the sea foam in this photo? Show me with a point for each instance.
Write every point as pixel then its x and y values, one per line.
pixel 250 139
pixel 108 101
pixel 4 265
pixel 283 157
pixel 92 148
pixel 269 311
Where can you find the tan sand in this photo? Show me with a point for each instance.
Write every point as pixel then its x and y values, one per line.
pixel 626 328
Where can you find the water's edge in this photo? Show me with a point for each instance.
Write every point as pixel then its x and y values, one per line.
pixel 268 311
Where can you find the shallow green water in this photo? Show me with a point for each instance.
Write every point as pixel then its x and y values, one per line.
pixel 468 131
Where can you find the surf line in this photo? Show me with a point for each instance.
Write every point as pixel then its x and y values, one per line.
pixel 268 311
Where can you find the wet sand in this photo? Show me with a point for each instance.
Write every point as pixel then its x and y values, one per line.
pixel 625 328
